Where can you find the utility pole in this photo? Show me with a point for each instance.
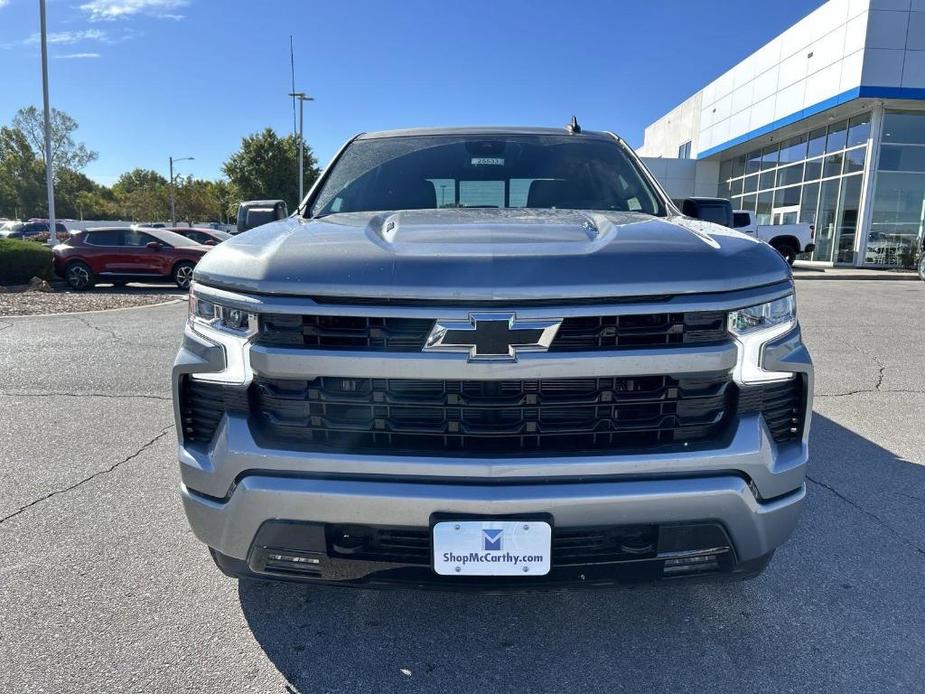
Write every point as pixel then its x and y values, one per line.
pixel 302 99
pixel 292 74
pixel 173 195
pixel 49 164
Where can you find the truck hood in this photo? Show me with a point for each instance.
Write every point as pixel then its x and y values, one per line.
pixel 490 255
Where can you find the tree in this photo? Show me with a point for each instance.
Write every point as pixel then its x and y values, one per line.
pixel 141 195
pixel 266 167
pixel 95 205
pixel 22 177
pixel 79 197
pixel 196 200
pixel 227 195
pixel 66 153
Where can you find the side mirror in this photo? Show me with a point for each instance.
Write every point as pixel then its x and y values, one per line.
pixel 153 245
pixel 209 243
pixel 715 210
pixel 255 213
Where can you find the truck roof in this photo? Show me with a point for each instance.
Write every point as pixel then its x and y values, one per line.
pixel 483 130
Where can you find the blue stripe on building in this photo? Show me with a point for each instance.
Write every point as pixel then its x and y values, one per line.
pixel 862 92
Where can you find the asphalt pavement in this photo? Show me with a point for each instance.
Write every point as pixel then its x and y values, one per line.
pixel 104 589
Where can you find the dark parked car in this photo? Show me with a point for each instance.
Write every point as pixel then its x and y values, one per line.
pixel 207 237
pixel 125 255
pixel 34 231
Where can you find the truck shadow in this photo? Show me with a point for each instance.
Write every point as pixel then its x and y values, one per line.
pixel 827 614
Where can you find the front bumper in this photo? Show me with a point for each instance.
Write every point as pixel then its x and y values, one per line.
pixel 230 527
pixel 749 485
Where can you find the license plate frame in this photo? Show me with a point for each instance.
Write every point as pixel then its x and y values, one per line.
pixel 522 548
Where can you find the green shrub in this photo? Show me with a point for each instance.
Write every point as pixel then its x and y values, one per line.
pixel 20 261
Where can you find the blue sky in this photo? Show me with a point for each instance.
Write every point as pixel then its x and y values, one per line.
pixel 151 78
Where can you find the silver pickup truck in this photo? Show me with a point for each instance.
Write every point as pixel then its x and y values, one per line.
pixel 491 358
pixel 787 238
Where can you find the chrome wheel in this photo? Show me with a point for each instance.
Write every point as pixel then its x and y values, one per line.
pixel 183 275
pixel 78 277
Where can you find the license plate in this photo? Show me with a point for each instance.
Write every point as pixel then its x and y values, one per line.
pixel 492 548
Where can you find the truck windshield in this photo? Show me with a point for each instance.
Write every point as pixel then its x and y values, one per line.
pixel 495 171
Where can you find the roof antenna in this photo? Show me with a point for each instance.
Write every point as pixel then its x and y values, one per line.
pixel 573 127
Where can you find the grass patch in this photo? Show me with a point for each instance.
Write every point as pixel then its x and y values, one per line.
pixel 20 261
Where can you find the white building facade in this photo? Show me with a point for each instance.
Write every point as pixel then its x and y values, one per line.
pixel 825 124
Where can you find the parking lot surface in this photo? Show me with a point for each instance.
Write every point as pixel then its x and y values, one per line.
pixel 104 589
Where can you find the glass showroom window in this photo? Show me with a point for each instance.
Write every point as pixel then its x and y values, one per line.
pixel 814 178
pixel 896 229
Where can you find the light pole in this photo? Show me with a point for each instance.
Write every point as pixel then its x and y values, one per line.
pixel 49 165
pixel 173 196
pixel 302 99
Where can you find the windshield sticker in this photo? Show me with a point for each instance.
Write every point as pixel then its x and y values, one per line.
pixel 487 161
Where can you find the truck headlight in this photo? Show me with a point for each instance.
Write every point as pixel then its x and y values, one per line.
pixel 208 314
pixel 753 328
pixel 230 327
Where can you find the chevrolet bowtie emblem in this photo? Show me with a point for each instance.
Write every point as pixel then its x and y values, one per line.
pixel 492 336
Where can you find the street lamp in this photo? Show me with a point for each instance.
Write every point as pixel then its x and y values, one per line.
pixel 302 99
pixel 173 197
pixel 49 165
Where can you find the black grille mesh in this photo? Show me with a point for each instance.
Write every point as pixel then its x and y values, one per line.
pixel 409 334
pixel 574 546
pixel 450 415
pixel 345 332
pixel 782 404
pixel 549 416
pixel 591 333
pixel 202 405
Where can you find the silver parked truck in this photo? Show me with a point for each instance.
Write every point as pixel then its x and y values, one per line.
pixel 492 358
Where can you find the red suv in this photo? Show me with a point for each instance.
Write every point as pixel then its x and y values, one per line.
pixel 207 237
pixel 119 256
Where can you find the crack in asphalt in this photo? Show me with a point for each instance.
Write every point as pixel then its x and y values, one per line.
pixel 4 326
pixel 876 360
pixel 57 394
pixel 96 474
pixel 867 513
pixel 862 391
pixel 105 331
pixel 912 496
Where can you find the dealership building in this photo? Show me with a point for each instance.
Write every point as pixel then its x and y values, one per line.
pixel 825 124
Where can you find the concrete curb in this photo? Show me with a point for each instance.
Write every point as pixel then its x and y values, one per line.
pixel 65 314
pixel 839 276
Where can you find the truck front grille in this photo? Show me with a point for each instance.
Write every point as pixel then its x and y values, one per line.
pixel 583 333
pixel 782 404
pixel 592 333
pixel 202 405
pixel 358 414
pixel 504 418
pixel 345 332
pixel 570 546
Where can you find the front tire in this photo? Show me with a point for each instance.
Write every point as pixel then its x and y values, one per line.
pixel 787 251
pixel 79 276
pixel 183 274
